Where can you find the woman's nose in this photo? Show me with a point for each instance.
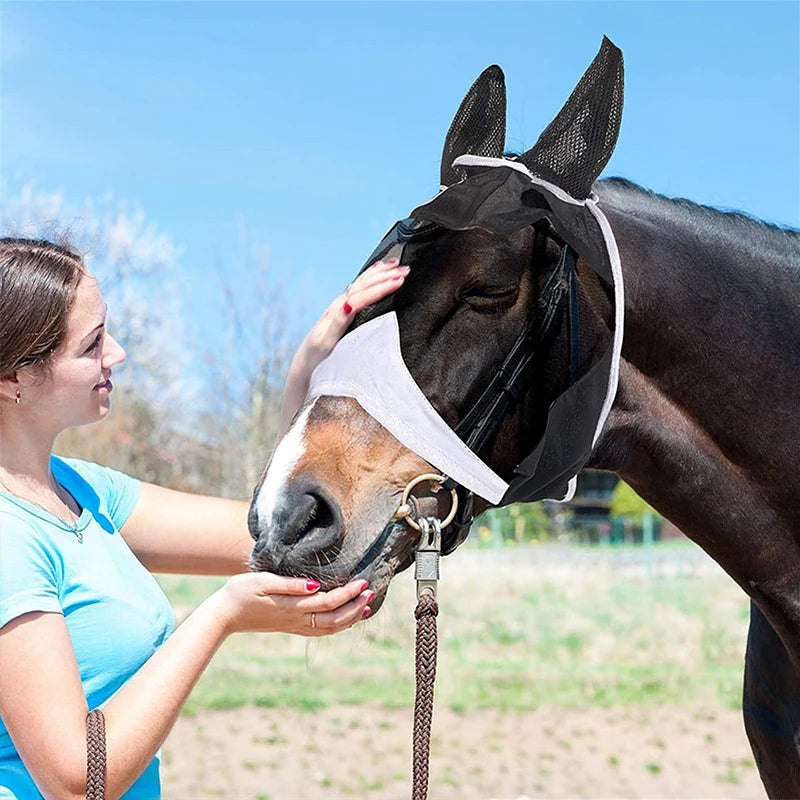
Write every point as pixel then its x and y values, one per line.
pixel 113 352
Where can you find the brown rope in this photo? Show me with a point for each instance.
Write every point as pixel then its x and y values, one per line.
pixel 95 755
pixel 426 612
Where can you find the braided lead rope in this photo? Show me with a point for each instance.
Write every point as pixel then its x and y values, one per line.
pixel 427 577
pixel 95 755
pixel 425 613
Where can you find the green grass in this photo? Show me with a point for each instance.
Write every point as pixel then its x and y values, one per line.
pixel 508 640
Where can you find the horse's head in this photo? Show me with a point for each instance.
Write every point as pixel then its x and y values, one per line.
pixel 477 287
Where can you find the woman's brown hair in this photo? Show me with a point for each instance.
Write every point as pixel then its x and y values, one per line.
pixel 38 280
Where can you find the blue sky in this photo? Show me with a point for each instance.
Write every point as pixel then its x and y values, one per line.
pixel 313 126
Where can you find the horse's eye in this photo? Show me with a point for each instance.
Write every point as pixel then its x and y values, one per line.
pixel 487 298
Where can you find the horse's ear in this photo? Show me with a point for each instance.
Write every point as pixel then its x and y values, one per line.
pixel 479 126
pixel 577 144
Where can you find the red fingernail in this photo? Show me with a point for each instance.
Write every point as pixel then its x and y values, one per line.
pixel 392 261
pixel 366 612
pixel 371 597
pixel 364 585
pixel 312 586
pixel 398 277
pixel 348 309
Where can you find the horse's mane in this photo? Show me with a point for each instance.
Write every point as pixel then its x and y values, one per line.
pixel 733 226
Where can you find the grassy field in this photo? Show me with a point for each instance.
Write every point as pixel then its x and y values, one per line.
pixel 519 628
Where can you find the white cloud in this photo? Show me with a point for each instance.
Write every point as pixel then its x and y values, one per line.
pixel 31 212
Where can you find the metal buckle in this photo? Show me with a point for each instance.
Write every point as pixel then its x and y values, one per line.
pixel 426 560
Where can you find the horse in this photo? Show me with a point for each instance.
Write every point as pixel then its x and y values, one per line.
pixel 703 424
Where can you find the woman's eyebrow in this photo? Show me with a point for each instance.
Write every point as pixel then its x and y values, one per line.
pixel 93 330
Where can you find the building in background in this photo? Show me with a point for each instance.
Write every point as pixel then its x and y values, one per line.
pixel 605 510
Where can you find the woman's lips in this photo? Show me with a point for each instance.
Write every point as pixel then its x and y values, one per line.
pixel 104 388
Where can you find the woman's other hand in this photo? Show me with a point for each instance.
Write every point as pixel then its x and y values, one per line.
pixel 263 602
pixel 375 283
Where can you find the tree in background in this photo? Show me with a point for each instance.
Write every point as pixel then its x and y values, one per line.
pixel 240 417
pixel 515 524
pixel 626 503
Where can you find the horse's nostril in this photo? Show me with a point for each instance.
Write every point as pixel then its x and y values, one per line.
pixel 310 512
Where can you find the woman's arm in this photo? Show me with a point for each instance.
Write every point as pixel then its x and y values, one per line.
pixel 172 531
pixel 178 532
pixel 42 702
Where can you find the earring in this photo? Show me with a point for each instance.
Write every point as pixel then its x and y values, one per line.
pixel 17 398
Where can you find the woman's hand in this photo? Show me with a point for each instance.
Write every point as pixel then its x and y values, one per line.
pixel 371 286
pixel 375 283
pixel 263 602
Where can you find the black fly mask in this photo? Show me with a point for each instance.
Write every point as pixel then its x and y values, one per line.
pixel 551 182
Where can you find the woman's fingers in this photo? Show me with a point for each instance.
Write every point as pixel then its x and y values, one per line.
pixel 329 612
pixel 329 601
pixel 278 584
pixel 381 279
pixel 326 622
pixel 365 295
pixel 379 271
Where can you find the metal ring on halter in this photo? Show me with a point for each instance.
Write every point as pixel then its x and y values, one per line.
pixel 404 511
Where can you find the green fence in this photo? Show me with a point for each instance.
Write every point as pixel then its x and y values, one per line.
pixel 518 524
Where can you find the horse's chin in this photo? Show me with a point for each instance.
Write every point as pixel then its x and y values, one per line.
pixel 391 551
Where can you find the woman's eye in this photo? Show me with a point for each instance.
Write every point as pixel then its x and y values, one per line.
pixel 490 298
pixel 95 344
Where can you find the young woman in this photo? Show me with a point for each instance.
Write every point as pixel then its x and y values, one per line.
pixel 83 623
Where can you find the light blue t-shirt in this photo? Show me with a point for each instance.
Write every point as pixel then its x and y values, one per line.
pixel 115 612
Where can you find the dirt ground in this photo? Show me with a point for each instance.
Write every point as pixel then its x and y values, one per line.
pixel 365 752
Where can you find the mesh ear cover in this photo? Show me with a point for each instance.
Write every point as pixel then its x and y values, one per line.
pixel 479 126
pixel 577 144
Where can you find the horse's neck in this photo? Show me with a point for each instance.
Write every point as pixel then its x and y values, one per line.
pixel 705 426
pixel 715 325
pixel 714 331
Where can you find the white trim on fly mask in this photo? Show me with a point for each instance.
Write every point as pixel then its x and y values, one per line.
pixel 619 315
pixel 619 323
pixel 367 365
pixel 469 160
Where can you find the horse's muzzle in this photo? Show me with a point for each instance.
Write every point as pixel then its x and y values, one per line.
pixel 302 533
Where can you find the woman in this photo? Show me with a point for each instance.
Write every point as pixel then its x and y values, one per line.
pixel 82 622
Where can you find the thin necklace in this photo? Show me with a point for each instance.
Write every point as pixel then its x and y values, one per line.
pixel 71 524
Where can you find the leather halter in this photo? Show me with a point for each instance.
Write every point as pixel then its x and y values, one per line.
pixel 508 384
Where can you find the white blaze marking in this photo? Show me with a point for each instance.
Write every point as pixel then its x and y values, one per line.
pixel 287 454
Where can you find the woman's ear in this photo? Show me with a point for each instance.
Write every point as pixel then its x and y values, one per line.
pixel 10 388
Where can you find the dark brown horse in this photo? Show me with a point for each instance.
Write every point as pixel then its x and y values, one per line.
pixel 704 425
